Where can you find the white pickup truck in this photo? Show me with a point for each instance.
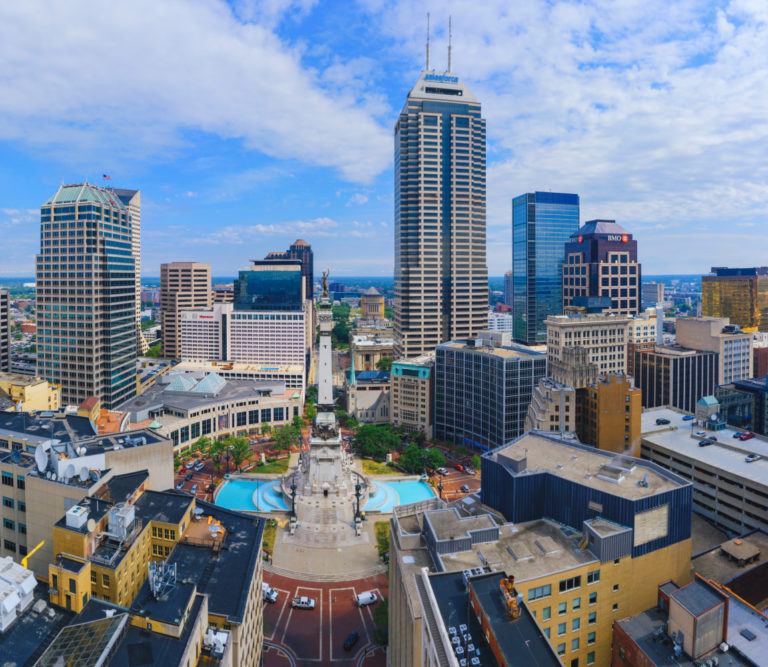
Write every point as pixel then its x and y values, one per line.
pixel 303 603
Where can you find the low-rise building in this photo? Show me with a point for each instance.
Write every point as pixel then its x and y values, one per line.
pixel 22 392
pixel 745 404
pixel 372 304
pixel 675 376
pixel 368 350
pixel 412 382
pixel 482 390
pixel 603 336
pixel 368 394
pixel 730 485
pixel 642 334
pixel 185 406
pixel 717 334
pixel 500 321
pixel 148 369
pixel 290 374
pixel 609 415
pixel 552 407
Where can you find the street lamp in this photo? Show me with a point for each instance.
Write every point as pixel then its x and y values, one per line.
pixel 357 494
pixel 293 499
pixel 440 487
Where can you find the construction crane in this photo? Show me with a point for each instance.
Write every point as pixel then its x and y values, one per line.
pixel 26 558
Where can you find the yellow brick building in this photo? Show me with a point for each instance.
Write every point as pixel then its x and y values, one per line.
pixel 29 393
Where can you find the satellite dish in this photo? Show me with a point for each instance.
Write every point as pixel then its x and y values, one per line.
pixel 47 475
pixel 83 474
pixel 46 445
pixel 41 458
pixel 53 476
pixel 82 451
pixel 69 473
pixel 90 525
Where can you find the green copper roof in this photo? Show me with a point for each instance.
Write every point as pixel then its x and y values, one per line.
pixel 155 424
pixel 85 192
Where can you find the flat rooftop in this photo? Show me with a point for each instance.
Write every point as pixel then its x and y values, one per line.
pixel 42 426
pixel 727 454
pixel 586 465
pixel 448 525
pixel 525 550
pixel 715 564
pixel 509 352
pixel 229 367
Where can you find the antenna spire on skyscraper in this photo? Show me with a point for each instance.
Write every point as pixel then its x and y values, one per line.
pixel 449 44
pixel 427 41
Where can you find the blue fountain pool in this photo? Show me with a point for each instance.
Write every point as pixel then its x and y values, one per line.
pixel 264 495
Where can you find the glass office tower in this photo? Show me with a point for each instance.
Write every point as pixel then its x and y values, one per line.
pixel 270 284
pixel 441 277
pixel 542 223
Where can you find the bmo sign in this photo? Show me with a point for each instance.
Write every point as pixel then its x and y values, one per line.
pixel 623 238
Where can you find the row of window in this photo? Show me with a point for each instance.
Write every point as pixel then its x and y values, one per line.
pixel 9 503
pixel 7 479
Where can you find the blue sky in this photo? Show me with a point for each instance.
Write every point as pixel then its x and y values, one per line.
pixel 249 124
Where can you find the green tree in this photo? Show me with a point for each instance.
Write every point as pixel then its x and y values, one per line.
pixel 156 350
pixel 297 422
pixel 476 462
pixel 312 394
pixel 414 458
pixel 375 440
pixel 384 364
pixel 286 437
pixel 352 423
pixel 380 623
pixel 265 428
pixel 310 411
pixel 202 444
pixel 341 415
pixel 239 449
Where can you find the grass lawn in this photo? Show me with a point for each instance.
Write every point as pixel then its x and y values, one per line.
pixel 381 528
pixel 274 468
pixel 376 468
pixel 270 531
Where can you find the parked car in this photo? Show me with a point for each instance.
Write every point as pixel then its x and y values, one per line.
pixel 363 599
pixel 350 641
pixel 746 436
pixel 465 489
pixel 189 465
pixel 712 437
pixel 268 593
pixel 700 434
pixel 705 443
pixel 661 421
pixel 199 466
pixel 442 471
pixel 188 476
pixel 752 458
pixel 738 434
pixel 193 490
pixel 303 603
pixel 459 467
pixel 180 486
pixel 687 418
pixel 469 471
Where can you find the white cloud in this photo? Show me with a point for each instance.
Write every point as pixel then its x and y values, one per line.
pixel 358 198
pixel 126 79
pixel 243 234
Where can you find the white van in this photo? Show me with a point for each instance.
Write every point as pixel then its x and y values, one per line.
pixel 369 597
pixel 269 594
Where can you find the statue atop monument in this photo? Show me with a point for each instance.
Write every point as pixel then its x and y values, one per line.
pixel 326 273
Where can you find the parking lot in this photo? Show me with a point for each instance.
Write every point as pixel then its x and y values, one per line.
pixel 200 478
pixel 316 636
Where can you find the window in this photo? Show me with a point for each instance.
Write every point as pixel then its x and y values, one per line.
pixel 591 638
pixel 73 585
pixel 561 649
pixel 11 546
pixel 93 577
pixel 575 624
pixel 7 479
pixel 615 607
pixel 8 524
pixel 570 584
pixel 615 587
pixel 576 604
pixel 591 658
pixel 539 592
pixel 592 619
pixel 593 577
pixel 546 632
pixel 561 628
pixel 575 644
pixel 20 483
pixel 8 502
pixel 22 507
pixel 54 581
pixel 105 580
pixel 546 613
pixel 616 562
pixel 562 608
pixel 593 598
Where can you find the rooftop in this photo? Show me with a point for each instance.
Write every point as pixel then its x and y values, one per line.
pixel 728 454
pixel 510 352
pixel 697 597
pixel 41 426
pixel 234 367
pixel 443 86
pixel 85 192
pixel 600 227
pixel 715 563
pixel 611 473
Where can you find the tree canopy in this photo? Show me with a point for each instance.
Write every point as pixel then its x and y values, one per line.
pixel 375 440
pixel 286 437
pixel 384 364
pixel 413 458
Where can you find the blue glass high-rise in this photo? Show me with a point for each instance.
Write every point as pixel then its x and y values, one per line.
pixel 542 222
pixel 271 284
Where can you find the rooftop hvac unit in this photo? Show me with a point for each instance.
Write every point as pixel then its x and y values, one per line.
pixel 121 518
pixel 76 517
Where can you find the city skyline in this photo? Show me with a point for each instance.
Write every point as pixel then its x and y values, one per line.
pixel 623 108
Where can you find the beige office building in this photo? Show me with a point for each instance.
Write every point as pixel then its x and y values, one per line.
pixel 441 276
pixel 603 336
pixel 717 334
pixel 183 286
pixel 412 383
pixel 5 331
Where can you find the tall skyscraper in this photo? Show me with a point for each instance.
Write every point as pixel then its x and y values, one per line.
pixel 441 277
pixel 5 331
pixel 542 222
pixel 509 287
pixel 270 284
pixel 132 200
pixel 301 251
pixel 86 295
pixel 741 295
pixel 183 286
pixel 601 261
